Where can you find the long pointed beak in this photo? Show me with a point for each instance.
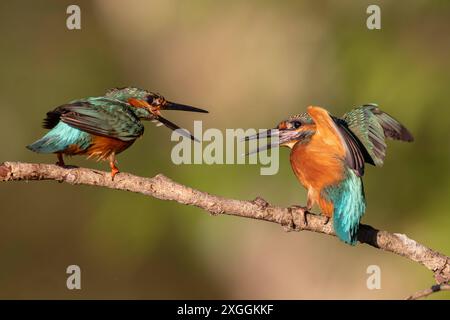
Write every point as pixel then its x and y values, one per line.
pixel 287 135
pixel 278 138
pixel 181 107
pixel 176 128
pixel 271 133
pixel 260 135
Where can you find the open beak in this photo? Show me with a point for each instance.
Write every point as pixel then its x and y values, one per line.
pixel 156 114
pixel 176 128
pixel 260 135
pixel 181 107
pixel 277 138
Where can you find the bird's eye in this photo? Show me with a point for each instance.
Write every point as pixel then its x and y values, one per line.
pixel 296 124
pixel 150 99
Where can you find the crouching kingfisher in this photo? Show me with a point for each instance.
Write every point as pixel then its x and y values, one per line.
pixel 102 127
pixel 328 156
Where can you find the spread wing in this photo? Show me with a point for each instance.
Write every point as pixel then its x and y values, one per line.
pixel 353 153
pixel 372 126
pixel 99 116
pixel 356 153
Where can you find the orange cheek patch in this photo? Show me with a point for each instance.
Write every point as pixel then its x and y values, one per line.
pixel 137 103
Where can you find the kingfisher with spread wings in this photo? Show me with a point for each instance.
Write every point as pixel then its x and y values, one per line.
pixel 102 127
pixel 328 155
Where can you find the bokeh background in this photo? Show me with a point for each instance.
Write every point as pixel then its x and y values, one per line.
pixel 251 63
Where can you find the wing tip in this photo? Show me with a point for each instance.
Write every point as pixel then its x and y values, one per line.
pixel 405 135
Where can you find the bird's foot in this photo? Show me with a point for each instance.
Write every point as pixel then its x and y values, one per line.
pixel 60 164
pixel 112 165
pixel 114 171
pixel 65 166
pixel 60 161
pixel 302 211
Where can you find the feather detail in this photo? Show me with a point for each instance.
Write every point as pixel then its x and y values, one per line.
pixel 98 116
pixel 349 206
pixel 339 138
pixel 103 147
pixel 62 137
pixel 372 126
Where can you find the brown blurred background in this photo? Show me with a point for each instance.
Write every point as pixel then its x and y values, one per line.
pixel 251 63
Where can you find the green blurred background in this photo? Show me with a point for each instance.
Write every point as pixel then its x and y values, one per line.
pixel 252 64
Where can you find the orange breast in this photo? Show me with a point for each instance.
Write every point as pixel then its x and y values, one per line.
pixel 318 164
pixel 103 147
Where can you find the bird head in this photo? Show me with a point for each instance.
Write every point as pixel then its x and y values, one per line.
pixel 149 107
pixel 157 102
pixel 296 129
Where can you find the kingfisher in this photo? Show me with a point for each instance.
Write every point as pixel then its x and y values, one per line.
pixel 102 127
pixel 328 155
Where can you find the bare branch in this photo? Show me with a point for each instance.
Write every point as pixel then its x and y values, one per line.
pixel 291 218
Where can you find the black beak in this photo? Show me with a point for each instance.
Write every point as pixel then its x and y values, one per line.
pixel 271 133
pixel 181 107
pixel 278 138
pixel 174 127
pixel 264 134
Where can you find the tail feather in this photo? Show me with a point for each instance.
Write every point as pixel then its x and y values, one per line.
pixel 349 206
pixel 45 145
pixel 60 138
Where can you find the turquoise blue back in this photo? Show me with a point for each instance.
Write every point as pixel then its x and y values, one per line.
pixel 60 138
pixel 349 206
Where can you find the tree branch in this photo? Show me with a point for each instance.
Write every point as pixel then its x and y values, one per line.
pixel 291 218
pixel 429 291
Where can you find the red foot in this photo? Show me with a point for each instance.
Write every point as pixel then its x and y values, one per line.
pixel 114 171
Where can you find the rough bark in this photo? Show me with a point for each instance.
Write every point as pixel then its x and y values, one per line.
pixel 291 218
